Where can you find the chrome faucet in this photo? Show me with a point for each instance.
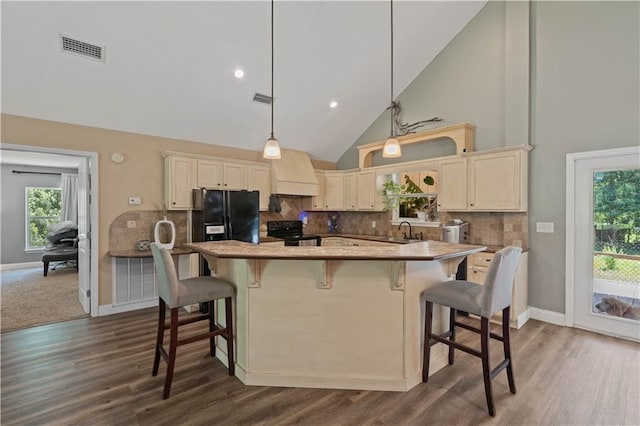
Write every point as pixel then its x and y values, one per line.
pixel 404 234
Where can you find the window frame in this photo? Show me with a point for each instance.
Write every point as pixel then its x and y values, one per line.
pixel 28 218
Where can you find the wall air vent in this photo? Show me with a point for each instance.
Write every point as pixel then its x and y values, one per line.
pixel 264 99
pixel 81 48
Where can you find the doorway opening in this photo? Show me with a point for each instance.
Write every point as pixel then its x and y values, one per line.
pixel 87 214
pixel 603 242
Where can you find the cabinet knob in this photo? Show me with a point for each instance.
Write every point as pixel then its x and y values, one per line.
pixel 471 204
pixel 225 184
pixel 173 203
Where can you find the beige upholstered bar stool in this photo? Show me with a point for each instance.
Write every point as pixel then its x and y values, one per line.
pixel 177 293
pixel 484 301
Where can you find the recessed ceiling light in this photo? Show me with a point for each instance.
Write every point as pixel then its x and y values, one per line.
pixel 333 104
pixel 238 73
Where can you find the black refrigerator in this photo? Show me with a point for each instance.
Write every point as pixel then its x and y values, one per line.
pixel 225 215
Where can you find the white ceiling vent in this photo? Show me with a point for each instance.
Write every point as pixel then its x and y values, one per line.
pixel 81 48
pixel 264 99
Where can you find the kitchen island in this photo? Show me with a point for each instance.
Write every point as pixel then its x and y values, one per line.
pixel 348 317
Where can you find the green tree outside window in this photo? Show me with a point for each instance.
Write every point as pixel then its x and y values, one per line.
pixel 43 209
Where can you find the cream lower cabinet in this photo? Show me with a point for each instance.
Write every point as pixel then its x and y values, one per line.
pixel 180 175
pixel 477 267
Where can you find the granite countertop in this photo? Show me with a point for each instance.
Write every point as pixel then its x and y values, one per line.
pixel 427 250
pixel 146 253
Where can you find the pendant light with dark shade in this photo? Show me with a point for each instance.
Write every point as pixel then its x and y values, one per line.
pixel 391 146
pixel 272 148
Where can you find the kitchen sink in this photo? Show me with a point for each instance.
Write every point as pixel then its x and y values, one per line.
pixel 405 240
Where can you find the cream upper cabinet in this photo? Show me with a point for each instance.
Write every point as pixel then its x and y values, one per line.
pixel 209 174
pixel 491 182
pixel 452 186
pixel 366 193
pixel 496 182
pixel 334 191
pixel 259 179
pixel 350 194
pixel 233 176
pixel 317 201
pixel 221 175
pixel 179 177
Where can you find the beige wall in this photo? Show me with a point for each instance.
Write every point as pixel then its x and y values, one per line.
pixel 140 174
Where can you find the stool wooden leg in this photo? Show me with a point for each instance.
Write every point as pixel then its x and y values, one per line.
pixel 46 268
pixel 452 329
pixel 159 336
pixel 212 327
pixel 426 356
pixel 173 345
pixel 506 341
pixel 228 307
pixel 486 369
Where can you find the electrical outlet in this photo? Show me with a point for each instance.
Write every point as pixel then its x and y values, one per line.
pixel 131 224
pixel 373 224
pixel 544 227
pixel 134 201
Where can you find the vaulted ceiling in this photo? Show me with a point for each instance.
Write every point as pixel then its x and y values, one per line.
pixel 169 66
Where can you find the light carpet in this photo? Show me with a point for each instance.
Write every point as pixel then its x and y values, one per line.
pixel 28 298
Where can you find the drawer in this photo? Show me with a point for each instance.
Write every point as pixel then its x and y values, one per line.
pixel 482 259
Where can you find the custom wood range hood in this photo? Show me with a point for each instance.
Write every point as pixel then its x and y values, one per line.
pixel 293 174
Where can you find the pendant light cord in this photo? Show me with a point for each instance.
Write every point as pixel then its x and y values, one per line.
pixel 391 105
pixel 272 99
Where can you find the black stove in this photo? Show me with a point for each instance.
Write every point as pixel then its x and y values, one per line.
pixel 291 232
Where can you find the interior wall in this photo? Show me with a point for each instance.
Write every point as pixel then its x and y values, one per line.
pixel 585 97
pixel 13 208
pixel 141 174
pixel 465 83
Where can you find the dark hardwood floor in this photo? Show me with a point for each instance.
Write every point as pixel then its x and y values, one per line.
pixel 98 371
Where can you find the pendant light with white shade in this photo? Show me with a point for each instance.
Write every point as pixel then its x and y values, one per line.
pixel 391 146
pixel 272 148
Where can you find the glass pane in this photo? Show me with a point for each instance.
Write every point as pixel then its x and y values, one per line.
pixel 616 250
pixel 43 210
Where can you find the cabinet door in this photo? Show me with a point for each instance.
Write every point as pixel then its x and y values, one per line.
pixel 350 194
pixel 209 174
pixel 178 182
pixel 452 188
pixel 334 191
pixel 366 191
pixel 316 202
pixel 233 176
pixel 494 182
pixel 259 179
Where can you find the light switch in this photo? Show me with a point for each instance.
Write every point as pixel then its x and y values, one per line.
pixel 545 227
pixel 131 224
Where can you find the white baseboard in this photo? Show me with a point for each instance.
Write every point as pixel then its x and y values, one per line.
pixel 547 316
pixel 11 266
pixel 521 319
pixel 110 309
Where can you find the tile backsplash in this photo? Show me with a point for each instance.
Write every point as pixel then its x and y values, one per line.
pixel 485 228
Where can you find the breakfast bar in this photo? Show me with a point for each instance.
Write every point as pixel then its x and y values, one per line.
pixel 347 317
